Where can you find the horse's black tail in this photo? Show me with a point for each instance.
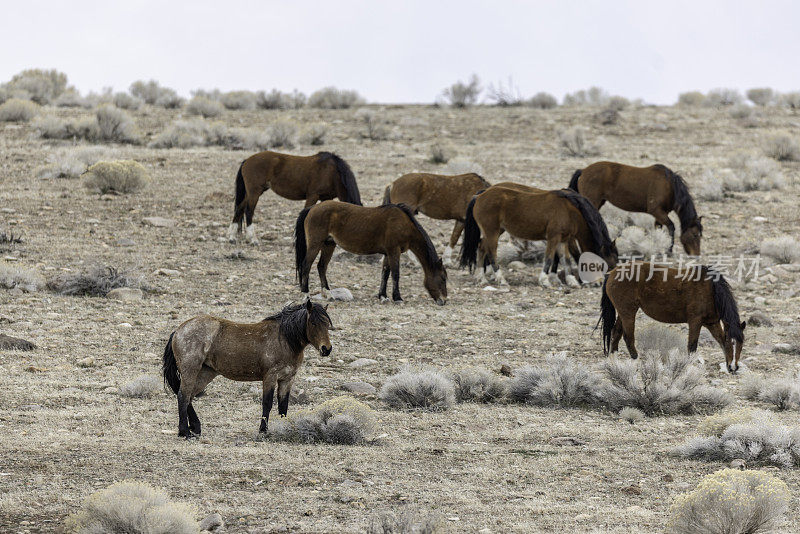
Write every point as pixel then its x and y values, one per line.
pixel 726 307
pixel 472 237
pixel 573 183
pixel 170 368
pixel 608 316
pixel 241 193
pixel 300 242
pixel 387 195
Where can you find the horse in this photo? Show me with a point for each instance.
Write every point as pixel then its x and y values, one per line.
pixel 270 351
pixel 390 230
pixel 561 217
pixel 700 297
pixel 322 176
pixel 655 190
pixel 438 196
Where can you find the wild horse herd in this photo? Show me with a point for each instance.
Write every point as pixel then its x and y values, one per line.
pixel 568 220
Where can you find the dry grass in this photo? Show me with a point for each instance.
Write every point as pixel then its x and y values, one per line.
pixel 314 134
pixel 784 249
pixel 374 126
pixel 95 281
pixel 631 415
pixel 782 148
pixel 120 177
pixel 427 390
pixel 440 152
pixel 478 385
pixel 12 277
pixel 647 242
pixel 339 421
pixel 575 142
pixel 142 387
pixel 407 522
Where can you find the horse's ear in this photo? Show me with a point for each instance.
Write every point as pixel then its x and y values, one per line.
pixel 309 305
pixel 744 323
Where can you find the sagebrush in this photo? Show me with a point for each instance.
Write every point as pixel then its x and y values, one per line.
pixel 340 421
pixel 95 281
pixel 120 176
pixel 427 390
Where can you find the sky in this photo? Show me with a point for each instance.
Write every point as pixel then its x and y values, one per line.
pixel 409 51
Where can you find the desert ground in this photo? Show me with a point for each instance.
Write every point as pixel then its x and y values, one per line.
pixel 65 431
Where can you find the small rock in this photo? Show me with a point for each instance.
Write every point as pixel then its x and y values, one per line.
pixel 159 222
pixel 760 301
pixel 86 362
pixel 633 489
pixel 505 370
pixel 15 343
pixel 359 388
pixel 738 463
pixel 667 478
pixel 167 272
pixel 125 242
pixel 760 219
pixel 299 396
pixel 567 440
pixel 759 319
pixel 212 523
pixel 125 293
pixel 111 389
pixel 340 293
pixel 516 265
pixel 362 362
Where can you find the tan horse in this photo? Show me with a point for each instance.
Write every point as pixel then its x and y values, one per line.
pixel 270 351
pixel 699 297
pixel 389 230
pixel 323 176
pixel 438 196
pixel 655 190
pixel 560 217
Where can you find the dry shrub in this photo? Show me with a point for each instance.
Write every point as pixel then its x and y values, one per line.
pixel 8 237
pixel 575 143
pixel 783 393
pixel 660 385
pixel 205 107
pixel 239 100
pixel 741 111
pixel 594 96
pixel 95 281
pixel 557 382
pixel 708 186
pixel 93 99
pixel 133 508
pixel 542 101
pixel 41 86
pixel 731 501
pixel 722 97
pixel 406 523
pixel 691 99
pixel 714 425
pixel 504 95
pixel 340 421
pixel 374 126
pixel 463 94
pixel 314 134
pixel 428 390
pixel 440 153
pixel 631 415
pixel 70 163
pixel 784 249
pixel 753 436
pixel 761 96
pixel 27 280
pixel 120 176
pixel 647 242
pixel 17 110
pixel 127 101
pixel 153 93
pixel 608 117
pixel 115 125
pixel 190 133
pixel 478 385
pixel 462 166
pixel 617 103
pixel 333 98
pixel 141 387
pixel 745 172
pixel 782 148
pixel 660 340
pixel 790 100
pixel 282 133
pixel 71 98
pixel 277 100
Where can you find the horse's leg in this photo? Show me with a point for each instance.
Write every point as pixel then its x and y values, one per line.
pixel 491 255
pixel 267 397
pixel 312 249
pixel 550 252
pixel 447 259
pixel 662 218
pixel 311 200
pixel 205 376
pixel 568 276
pixel 628 328
pixel 249 210
pixel 322 265
pixel 394 267
pixel 694 334
pixel 719 335
pixel 284 388
pixel 616 335
pixel 384 279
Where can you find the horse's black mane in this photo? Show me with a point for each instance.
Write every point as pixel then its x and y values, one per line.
pixel 597 227
pixel 430 250
pixel 683 203
pixel 725 304
pixel 292 322
pixel 486 185
pixel 346 174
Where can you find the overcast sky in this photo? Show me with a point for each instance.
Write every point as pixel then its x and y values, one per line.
pixel 408 51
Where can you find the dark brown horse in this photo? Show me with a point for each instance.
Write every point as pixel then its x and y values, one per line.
pixel 561 217
pixel 323 176
pixel 270 351
pixel 699 296
pixel 389 230
pixel 438 196
pixel 655 190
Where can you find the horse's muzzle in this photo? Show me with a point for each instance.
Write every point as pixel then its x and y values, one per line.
pixel 732 369
pixel 323 350
pixel 440 301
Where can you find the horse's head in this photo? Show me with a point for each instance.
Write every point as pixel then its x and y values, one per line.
pixel 690 237
pixel 436 282
pixel 733 345
pixel 317 325
pixel 610 254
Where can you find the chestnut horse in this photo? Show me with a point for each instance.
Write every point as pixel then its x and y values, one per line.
pixel 655 190
pixel 390 230
pixel 699 296
pixel 323 176
pixel 438 196
pixel 560 217
pixel 270 351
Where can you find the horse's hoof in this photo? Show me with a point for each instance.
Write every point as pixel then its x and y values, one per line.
pixel 398 301
pixel 572 281
pixel 383 299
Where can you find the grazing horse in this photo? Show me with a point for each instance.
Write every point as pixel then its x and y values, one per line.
pixel 439 197
pixel 270 351
pixel 561 217
pixel 323 176
pixel 389 230
pixel 699 297
pixel 655 190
